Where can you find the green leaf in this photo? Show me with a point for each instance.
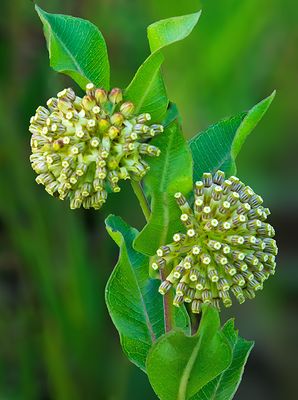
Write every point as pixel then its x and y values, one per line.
pixel 169 173
pixel 147 90
pixel 224 386
pixel 179 365
pixel 171 30
pixel 76 48
pixel 133 301
pixel 172 115
pixel 218 146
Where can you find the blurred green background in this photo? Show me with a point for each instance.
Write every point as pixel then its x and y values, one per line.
pixel 56 338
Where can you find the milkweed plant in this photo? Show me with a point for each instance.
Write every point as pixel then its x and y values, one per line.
pixel 206 243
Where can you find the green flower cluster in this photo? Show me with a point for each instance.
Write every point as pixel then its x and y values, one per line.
pixel 82 147
pixel 227 247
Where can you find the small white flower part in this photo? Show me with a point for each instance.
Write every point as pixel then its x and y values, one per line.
pixel 191 232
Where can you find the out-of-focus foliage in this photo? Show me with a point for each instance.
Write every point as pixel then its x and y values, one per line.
pixel 57 341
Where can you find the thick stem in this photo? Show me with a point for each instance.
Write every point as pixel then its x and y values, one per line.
pixel 137 188
pixel 167 298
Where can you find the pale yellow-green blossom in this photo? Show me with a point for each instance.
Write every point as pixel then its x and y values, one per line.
pixel 83 147
pixel 227 247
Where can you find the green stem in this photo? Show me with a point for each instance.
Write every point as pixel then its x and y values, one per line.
pixel 138 190
pixel 167 298
pixel 167 306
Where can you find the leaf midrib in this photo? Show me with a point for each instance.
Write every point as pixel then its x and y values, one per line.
pixel 165 208
pixel 222 375
pixel 166 164
pixel 147 318
pixel 187 371
pixel 149 86
pixel 74 60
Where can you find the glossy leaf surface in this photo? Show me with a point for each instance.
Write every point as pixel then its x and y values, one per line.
pixel 224 386
pixel 133 301
pixel 179 365
pixel 218 146
pixel 76 48
pixel 147 90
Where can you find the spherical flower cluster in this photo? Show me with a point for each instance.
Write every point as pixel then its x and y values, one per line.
pixel 82 147
pixel 227 248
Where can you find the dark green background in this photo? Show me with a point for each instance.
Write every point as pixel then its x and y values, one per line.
pixel 57 340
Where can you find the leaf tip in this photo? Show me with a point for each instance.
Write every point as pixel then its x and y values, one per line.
pixel 37 8
pixel 273 93
pixel 268 100
pixel 198 14
pixel 109 219
pixel 41 13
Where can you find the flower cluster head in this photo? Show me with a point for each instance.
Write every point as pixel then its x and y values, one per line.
pixel 227 247
pixel 83 147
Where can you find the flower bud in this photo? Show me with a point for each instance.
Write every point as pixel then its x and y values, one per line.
pixel 101 96
pixel 115 96
pixel 117 119
pixel 127 109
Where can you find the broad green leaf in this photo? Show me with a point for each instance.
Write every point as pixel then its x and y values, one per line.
pixel 218 146
pixel 224 386
pixel 171 30
pixel 169 173
pixel 133 301
pixel 179 365
pixel 147 90
pixel 76 48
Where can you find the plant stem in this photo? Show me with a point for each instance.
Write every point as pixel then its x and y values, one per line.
pixel 167 306
pixel 167 298
pixel 138 190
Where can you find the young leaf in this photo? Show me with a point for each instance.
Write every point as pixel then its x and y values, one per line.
pixel 179 365
pixel 218 146
pixel 76 48
pixel 224 386
pixel 171 30
pixel 169 173
pixel 147 90
pixel 133 301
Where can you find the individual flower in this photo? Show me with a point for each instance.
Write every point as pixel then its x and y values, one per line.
pixel 227 247
pixel 83 147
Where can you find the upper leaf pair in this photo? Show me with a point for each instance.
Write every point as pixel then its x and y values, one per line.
pixel 78 49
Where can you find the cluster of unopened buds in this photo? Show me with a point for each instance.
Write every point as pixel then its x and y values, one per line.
pixel 83 147
pixel 227 247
